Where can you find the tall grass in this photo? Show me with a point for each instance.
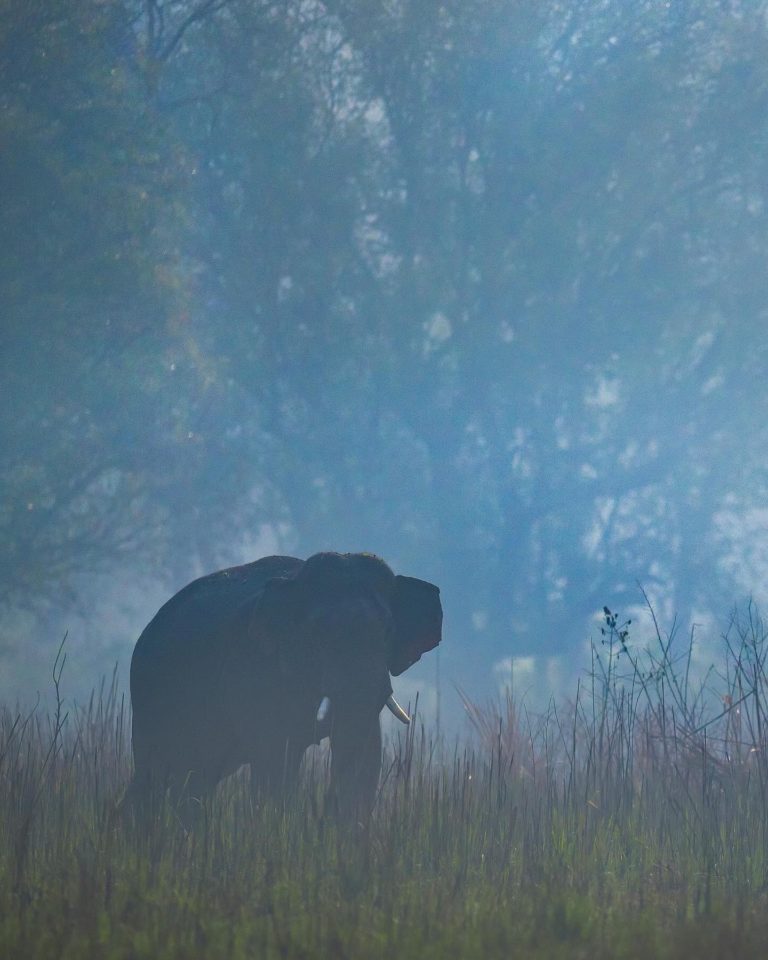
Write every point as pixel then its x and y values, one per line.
pixel 629 821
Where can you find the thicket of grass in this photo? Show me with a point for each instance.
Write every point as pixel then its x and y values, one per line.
pixel 629 822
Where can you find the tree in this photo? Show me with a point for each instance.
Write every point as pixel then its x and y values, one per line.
pixel 475 287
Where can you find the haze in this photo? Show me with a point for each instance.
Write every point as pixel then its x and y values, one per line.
pixel 480 287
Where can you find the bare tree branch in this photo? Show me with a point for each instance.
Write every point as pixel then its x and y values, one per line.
pixel 203 10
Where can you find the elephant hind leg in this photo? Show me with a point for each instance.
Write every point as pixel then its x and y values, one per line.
pixel 155 792
pixel 176 769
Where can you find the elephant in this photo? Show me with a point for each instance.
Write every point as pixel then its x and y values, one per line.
pixel 253 664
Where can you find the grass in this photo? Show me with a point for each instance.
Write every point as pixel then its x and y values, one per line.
pixel 628 822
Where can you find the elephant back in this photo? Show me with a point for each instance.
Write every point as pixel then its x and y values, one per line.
pixel 187 631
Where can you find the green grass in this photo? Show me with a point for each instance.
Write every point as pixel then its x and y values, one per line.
pixel 628 823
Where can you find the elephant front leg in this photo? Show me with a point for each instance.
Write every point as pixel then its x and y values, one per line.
pixel 275 769
pixel 355 765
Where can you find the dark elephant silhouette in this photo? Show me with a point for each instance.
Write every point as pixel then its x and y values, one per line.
pixel 254 663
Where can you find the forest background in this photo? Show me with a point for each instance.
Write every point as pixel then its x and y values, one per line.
pixel 479 286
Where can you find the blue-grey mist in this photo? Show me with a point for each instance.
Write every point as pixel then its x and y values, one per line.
pixel 479 287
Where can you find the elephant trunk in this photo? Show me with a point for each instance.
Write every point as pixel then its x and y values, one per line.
pixel 355 764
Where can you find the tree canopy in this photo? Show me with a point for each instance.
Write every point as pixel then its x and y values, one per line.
pixel 477 285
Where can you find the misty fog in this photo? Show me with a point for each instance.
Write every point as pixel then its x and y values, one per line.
pixel 479 287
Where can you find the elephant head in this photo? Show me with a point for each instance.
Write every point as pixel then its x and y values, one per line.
pixel 340 626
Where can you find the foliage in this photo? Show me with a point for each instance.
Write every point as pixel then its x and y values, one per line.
pixel 475 285
pixel 628 824
pixel 85 176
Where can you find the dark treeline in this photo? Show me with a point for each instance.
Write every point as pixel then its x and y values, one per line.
pixel 478 285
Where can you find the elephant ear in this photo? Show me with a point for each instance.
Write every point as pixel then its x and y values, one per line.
pixel 418 620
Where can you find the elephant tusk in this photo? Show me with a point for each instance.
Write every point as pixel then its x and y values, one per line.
pixel 323 709
pixel 397 710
